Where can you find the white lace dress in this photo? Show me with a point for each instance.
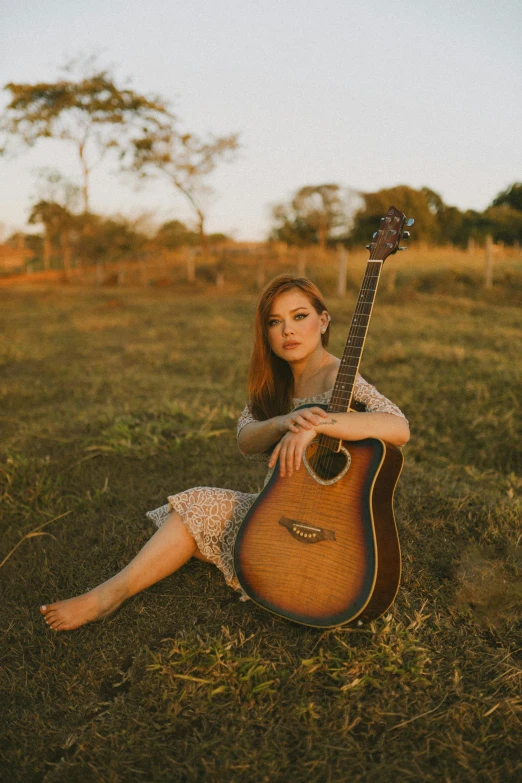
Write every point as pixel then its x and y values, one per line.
pixel 213 516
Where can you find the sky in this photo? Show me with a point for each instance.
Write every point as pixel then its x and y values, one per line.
pixel 366 94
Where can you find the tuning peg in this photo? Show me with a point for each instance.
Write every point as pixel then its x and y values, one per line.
pixel 406 234
pixel 410 222
pixel 402 248
pixel 375 235
pixel 367 247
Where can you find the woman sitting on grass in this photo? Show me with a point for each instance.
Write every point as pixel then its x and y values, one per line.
pixel 290 366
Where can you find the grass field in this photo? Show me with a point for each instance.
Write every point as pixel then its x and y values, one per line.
pixel 112 399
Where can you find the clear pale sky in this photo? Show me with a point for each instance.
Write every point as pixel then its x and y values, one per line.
pixel 366 94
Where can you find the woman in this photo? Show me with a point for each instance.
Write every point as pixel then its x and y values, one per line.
pixel 290 367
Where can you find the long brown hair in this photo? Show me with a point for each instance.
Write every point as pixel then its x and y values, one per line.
pixel 270 379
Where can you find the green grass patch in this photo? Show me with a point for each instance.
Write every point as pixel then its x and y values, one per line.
pixel 109 404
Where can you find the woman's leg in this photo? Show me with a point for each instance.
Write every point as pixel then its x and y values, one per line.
pixel 168 549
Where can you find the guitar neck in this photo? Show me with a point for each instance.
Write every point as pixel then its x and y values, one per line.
pixel 344 384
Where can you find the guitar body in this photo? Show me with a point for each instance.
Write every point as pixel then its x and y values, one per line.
pixel 325 554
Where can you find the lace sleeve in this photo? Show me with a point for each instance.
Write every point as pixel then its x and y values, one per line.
pixel 244 419
pixel 374 401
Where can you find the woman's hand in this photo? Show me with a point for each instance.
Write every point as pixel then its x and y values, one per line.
pixel 303 419
pixel 290 450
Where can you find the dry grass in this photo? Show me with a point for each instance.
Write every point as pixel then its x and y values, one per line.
pixel 112 401
pixel 427 269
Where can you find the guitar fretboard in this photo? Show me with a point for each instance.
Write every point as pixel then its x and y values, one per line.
pixel 351 358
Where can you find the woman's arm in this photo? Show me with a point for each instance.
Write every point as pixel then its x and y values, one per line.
pixel 356 426
pixel 348 426
pixel 257 437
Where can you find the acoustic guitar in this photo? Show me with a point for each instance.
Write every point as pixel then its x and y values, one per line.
pixel 321 547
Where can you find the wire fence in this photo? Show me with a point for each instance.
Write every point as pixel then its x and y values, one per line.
pixel 337 270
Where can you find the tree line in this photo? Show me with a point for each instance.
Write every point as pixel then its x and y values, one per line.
pixel 329 215
pixel 88 109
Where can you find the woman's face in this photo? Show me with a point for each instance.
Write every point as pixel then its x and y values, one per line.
pixel 294 327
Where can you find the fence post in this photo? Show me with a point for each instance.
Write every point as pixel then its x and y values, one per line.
pixel 143 270
pixel 47 249
pixel 260 278
pixel 392 277
pixel 191 265
pixel 301 263
pixel 66 251
pixel 343 269
pixel 488 272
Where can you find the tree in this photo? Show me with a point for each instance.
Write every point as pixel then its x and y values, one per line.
pixel 423 205
pixel 321 207
pixel 316 214
pixel 452 226
pixel 511 197
pixel 291 228
pixel 174 234
pixel 87 109
pixel 504 224
pixel 185 160
pixel 58 223
pixel 113 239
pixel 57 202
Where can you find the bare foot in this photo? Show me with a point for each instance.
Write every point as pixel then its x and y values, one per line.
pixel 74 612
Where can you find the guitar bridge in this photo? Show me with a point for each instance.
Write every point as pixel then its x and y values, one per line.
pixel 308 534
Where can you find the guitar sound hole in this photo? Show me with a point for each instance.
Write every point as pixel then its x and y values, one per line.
pixel 325 463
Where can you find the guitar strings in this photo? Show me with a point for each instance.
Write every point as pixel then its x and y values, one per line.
pixel 351 359
pixel 342 397
pixel 355 351
pixel 350 362
pixel 364 307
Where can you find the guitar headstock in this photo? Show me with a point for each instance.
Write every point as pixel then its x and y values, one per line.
pixel 386 240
